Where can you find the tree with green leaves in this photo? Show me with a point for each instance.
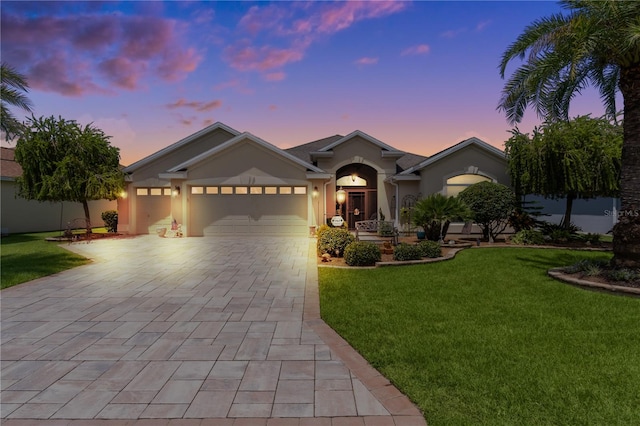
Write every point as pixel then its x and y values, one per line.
pixel 436 212
pixel 596 43
pixel 63 161
pixel 491 205
pixel 575 159
pixel 13 89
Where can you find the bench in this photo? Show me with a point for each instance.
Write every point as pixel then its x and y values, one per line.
pixel 376 231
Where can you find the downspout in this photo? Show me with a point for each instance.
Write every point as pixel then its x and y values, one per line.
pixel 324 196
pixel 397 215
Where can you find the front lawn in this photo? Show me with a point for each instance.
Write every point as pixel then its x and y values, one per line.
pixel 488 338
pixel 25 257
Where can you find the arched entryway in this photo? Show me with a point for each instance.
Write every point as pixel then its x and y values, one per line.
pixel 360 182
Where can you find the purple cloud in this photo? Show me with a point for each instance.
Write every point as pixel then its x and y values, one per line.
pixel 89 53
pixel 196 105
pixel 420 49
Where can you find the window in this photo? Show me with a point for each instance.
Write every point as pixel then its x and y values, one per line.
pixel 212 189
pixel 457 184
pixel 156 191
pixel 270 190
pixel 166 191
pixel 226 189
pixel 243 190
pixel 300 190
pixel 142 191
pixel 285 190
pixel 256 190
pixel 198 190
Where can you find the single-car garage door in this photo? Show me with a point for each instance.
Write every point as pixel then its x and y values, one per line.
pixel 271 210
pixel 153 209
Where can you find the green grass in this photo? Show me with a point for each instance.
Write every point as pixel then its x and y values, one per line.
pixel 25 257
pixel 488 338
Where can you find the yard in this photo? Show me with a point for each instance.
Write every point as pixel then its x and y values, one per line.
pixel 26 257
pixel 488 338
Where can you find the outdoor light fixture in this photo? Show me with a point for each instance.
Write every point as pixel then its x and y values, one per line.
pixel 354 177
pixel 341 197
pixel 315 192
pixel 176 191
pixel 123 194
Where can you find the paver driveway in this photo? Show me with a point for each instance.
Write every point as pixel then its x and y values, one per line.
pixel 193 328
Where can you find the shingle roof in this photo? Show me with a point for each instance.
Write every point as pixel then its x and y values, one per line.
pixel 303 151
pixel 409 160
pixel 8 166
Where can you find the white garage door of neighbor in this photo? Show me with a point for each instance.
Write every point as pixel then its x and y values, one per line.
pixel 248 210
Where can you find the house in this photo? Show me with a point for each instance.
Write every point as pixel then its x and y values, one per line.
pixel 219 181
pixel 18 215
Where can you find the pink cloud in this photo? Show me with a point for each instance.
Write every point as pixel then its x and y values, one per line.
pixel 105 52
pixel 272 107
pixel 420 49
pixel 482 25
pixel 339 16
pixel 195 105
pixel 453 33
pixel 265 58
pixel 302 21
pixel 275 76
pixel 366 61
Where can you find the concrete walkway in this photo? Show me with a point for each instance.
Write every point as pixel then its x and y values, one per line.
pixel 193 331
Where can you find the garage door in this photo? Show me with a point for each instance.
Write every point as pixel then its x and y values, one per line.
pixel 153 209
pixel 234 210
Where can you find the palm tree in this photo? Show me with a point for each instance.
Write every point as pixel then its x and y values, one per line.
pixel 597 43
pixel 436 212
pixel 12 88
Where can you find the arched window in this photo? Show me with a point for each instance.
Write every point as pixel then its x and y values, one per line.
pixel 457 184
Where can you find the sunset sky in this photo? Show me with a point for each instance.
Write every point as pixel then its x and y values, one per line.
pixel 419 76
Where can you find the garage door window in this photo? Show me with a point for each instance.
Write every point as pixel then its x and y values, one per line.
pixel 153 191
pixel 238 190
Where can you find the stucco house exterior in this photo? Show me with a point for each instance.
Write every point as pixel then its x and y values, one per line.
pixel 219 181
pixel 18 215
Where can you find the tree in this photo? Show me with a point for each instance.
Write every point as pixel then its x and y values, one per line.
pixel 491 204
pixel 62 161
pixel 597 43
pixel 572 159
pixel 436 212
pixel 12 88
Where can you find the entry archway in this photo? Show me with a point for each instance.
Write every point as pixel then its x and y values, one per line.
pixel 360 182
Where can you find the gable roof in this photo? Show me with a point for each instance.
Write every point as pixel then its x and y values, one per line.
pixel 304 151
pixel 365 136
pixel 9 168
pixel 455 148
pixel 176 145
pixel 234 141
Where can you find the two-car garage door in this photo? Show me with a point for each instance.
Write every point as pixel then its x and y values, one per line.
pixel 224 210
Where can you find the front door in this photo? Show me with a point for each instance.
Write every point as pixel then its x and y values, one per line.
pixel 356 207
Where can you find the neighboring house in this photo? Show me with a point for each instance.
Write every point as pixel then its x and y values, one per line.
pixel 221 181
pixel 19 215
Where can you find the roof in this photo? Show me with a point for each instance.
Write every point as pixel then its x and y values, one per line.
pixel 181 142
pixel 452 149
pixel 9 168
pixel 238 139
pixel 304 151
pixel 363 135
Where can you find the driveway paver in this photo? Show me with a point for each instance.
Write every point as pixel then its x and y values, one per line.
pixel 197 331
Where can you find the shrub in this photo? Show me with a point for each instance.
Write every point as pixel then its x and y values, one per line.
pixel 404 251
pixel 430 249
pixel 591 238
pixel 528 236
pixel 334 241
pixel 436 212
pixel 560 235
pixel 626 275
pixel 547 228
pixel 491 204
pixel 110 218
pixel 321 229
pixel 362 253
